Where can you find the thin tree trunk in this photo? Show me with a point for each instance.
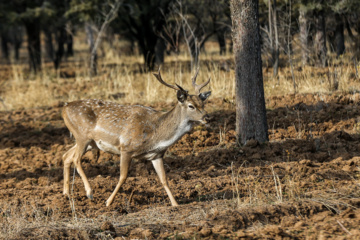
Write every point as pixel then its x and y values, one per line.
pixel 34 47
pixel 320 38
pixel 93 54
pixel 49 47
pixel 304 37
pixel 160 51
pixel 275 53
pixel 61 38
pixel 339 35
pixel 221 40
pixel 95 44
pixel 69 45
pixel 18 38
pixel 4 45
pixel 251 120
pixel 289 42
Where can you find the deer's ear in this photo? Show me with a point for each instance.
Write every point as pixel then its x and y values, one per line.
pixel 181 96
pixel 203 96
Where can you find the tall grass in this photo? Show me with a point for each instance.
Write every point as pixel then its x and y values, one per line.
pixel 121 79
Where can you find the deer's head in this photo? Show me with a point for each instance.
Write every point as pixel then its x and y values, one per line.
pixel 192 106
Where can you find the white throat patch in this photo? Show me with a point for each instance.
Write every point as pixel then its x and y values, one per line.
pixel 183 128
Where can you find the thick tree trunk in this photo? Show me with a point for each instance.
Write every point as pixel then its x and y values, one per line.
pixel 339 35
pixel 34 47
pixel 251 120
pixel 304 37
pixel 320 39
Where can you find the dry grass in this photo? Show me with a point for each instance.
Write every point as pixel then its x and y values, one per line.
pixel 120 79
pixel 26 219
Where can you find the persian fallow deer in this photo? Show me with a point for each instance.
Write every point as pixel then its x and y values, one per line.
pixel 131 131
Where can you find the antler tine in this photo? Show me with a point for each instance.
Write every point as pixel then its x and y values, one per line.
pixel 198 87
pixel 159 78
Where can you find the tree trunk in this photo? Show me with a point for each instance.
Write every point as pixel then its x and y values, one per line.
pixel 69 45
pixel 49 47
pixel 320 38
pixel 304 37
pixel 339 35
pixel 34 47
pixel 147 44
pixel 18 38
pixel 221 40
pixel 275 47
pixel 160 51
pixel 93 54
pixel 4 45
pixel 251 120
pixel 60 39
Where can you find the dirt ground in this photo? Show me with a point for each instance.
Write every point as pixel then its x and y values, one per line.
pixel 304 183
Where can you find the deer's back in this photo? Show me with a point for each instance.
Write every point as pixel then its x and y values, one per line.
pixel 116 124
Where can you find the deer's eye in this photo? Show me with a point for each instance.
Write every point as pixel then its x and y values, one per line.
pixel 191 107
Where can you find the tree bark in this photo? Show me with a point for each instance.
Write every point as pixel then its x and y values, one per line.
pixel 34 44
pixel 320 38
pixel 251 122
pixel 304 37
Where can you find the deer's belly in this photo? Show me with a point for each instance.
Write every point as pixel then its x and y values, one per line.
pixel 107 147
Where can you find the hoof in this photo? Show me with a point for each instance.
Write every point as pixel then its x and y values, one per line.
pixel 89 194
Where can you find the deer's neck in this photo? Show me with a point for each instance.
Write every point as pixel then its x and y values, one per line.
pixel 173 125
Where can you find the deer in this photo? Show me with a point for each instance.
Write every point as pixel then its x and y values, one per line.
pixel 131 131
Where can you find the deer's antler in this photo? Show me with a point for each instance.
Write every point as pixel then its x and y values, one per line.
pixel 159 78
pixel 198 87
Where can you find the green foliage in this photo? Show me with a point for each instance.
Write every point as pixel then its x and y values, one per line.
pixel 83 11
pixel 345 6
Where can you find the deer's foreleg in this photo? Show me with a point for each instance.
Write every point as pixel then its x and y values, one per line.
pixel 159 168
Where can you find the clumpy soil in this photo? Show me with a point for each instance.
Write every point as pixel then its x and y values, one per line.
pixel 303 183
